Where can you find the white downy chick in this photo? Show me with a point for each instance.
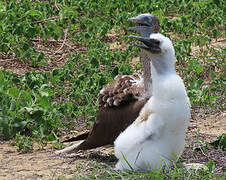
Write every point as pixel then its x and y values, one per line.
pixel 157 136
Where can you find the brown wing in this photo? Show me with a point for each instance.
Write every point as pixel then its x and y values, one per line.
pixel 123 89
pixel 110 122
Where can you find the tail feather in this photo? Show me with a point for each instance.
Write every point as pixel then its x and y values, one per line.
pixel 69 149
pixel 78 138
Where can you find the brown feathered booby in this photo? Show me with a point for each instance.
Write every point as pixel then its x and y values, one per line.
pixel 120 101
pixel 125 88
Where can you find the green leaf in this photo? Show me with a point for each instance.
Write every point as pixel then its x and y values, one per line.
pixel 2 7
pixel 44 93
pixel 29 110
pixel 4 47
pixel 44 102
pixel 52 137
pixel 14 92
pixel 127 162
pixel 20 124
pixel 13 105
pixel 220 142
pixel 33 13
pixel 210 166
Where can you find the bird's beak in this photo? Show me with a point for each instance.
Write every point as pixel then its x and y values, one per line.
pixel 141 29
pixel 145 27
pixel 137 20
pixel 151 45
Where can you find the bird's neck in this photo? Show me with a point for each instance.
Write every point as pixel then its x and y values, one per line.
pixel 161 68
pixel 146 63
pixel 162 65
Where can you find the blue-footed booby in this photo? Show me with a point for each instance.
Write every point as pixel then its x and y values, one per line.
pixel 157 136
pixel 120 101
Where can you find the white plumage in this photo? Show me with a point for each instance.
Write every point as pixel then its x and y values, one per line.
pixel 157 136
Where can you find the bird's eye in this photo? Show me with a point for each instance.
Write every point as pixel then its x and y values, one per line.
pixel 150 20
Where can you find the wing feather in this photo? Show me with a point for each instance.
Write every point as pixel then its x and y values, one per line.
pixel 124 89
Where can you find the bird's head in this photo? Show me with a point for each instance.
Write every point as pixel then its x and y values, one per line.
pixel 156 44
pixel 159 48
pixel 147 24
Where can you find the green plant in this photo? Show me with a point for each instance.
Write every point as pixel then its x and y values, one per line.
pixel 220 142
pixel 24 144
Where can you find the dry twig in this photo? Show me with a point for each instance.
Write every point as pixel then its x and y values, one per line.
pixel 62 45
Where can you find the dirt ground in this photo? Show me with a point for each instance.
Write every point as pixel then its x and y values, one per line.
pixel 44 164
pixel 40 164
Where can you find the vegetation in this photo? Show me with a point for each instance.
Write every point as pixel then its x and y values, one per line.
pixel 104 171
pixel 41 104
